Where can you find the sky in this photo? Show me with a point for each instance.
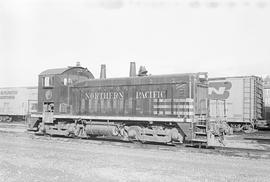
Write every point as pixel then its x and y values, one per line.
pixel 221 37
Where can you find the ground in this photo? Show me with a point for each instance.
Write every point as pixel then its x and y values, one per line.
pixel 26 157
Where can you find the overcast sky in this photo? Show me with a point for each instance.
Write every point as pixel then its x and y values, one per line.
pixel 223 38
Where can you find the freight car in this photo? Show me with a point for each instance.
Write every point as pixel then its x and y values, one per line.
pixel 266 93
pixel 238 100
pixel 163 108
pixel 266 110
pixel 17 102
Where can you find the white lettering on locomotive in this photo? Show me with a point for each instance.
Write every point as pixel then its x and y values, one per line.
pixel 120 95
pixel 104 95
pixel 150 94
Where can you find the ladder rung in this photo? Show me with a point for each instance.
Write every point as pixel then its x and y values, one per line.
pixel 199 140
pixel 201 126
pixel 200 133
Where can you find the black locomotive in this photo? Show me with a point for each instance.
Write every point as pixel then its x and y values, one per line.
pixel 163 108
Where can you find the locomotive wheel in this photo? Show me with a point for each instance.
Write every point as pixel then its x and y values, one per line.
pixel 124 135
pixel 41 128
pixel 134 133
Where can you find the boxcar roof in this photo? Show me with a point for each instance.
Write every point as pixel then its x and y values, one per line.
pixel 231 77
pixel 28 87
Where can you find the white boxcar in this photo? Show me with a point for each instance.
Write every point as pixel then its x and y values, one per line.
pixel 17 102
pixel 266 94
pixel 238 100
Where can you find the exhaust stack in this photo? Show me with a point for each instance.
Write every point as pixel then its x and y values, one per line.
pixel 132 71
pixel 103 71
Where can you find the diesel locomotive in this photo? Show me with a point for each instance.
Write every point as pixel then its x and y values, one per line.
pixel 167 109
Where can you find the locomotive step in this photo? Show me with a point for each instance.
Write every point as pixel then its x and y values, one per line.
pixel 201 126
pixel 200 133
pixel 199 140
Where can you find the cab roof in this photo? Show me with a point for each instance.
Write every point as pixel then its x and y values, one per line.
pixel 60 71
pixel 56 71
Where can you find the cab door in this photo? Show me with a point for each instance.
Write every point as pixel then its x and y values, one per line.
pixel 48 111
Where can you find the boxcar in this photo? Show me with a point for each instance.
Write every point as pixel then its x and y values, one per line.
pixel 239 100
pixel 17 102
pixel 266 93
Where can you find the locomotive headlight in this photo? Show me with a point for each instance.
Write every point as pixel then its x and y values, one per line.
pixel 48 94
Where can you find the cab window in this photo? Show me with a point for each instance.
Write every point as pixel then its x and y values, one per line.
pixel 47 81
pixel 67 81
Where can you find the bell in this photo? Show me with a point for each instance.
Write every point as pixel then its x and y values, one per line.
pixel 142 71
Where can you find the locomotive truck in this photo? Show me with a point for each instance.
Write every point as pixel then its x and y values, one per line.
pixel 167 109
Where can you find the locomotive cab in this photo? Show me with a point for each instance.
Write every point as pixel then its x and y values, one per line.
pixel 54 92
pixel 54 87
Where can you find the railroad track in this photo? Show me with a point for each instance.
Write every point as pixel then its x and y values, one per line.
pixel 228 151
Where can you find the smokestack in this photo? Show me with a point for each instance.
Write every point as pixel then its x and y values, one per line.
pixel 132 71
pixel 103 71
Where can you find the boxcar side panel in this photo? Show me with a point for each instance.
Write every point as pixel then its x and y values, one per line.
pixel 229 96
pixel 237 98
pixel 18 100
